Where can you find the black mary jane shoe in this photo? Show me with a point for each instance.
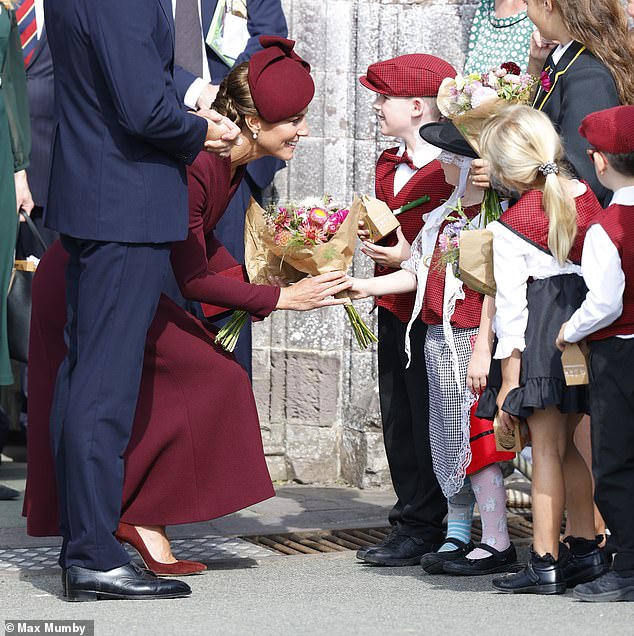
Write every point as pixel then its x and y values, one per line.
pixel 433 562
pixel 499 561
pixel 582 560
pixel 542 575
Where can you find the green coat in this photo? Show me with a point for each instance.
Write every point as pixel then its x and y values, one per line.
pixel 15 146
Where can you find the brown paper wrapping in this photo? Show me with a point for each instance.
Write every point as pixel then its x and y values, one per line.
pixel 574 361
pixel 264 258
pixel 379 220
pixel 510 442
pixel 476 261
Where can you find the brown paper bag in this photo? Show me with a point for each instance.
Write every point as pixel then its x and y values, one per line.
pixel 476 261
pixel 574 360
pixel 510 442
pixel 377 217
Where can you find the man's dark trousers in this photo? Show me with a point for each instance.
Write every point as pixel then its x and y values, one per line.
pixel 404 396
pixel 116 287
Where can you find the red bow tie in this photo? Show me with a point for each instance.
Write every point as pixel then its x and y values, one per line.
pixel 397 161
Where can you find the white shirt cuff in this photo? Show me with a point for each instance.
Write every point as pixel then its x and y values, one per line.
pixel 193 92
pixel 507 344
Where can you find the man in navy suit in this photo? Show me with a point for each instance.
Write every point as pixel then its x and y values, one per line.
pixel 118 197
pixel 264 17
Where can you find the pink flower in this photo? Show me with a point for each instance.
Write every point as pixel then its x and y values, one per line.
pixel 545 81
pixel 443 243
pixel 283 237
pixel 312 234
pixel 482 95
pixel 318 216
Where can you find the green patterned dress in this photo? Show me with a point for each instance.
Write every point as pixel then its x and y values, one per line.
pixel 15 145
pixel 494 41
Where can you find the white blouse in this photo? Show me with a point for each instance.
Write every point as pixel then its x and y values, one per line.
pixel 515 260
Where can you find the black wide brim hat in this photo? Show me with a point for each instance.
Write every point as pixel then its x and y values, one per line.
pixel 446 136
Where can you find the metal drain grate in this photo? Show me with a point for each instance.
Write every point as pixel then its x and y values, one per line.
pixel 325 541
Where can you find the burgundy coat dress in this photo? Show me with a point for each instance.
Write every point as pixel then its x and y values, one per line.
pixel 195 452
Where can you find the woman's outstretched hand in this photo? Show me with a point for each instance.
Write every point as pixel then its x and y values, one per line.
pixel 315 291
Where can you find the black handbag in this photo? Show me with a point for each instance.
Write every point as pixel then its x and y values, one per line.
pixel 19 300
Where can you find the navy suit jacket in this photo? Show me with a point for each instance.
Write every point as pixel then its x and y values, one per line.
pixel 264 17
pixel 39 84
pixel 582 84
pixel 122 137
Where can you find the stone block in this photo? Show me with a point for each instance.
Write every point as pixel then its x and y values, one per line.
pixel 278 467
pixel 274 437
pixel 312 454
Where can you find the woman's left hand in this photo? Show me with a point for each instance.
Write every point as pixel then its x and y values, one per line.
pixel 23 198
pixel 508 421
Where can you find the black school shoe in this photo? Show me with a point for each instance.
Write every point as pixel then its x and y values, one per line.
pixel 433 562
pixel 609 587
pixel 386 540
pixel 582 560
pixel 503 561
pixel 542 575
pixel 399 551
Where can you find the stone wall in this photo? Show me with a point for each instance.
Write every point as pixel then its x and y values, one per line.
pixel 316 391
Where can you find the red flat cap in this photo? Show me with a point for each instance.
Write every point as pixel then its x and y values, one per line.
pixel 413 75
pixel 279 80
pixel 610 130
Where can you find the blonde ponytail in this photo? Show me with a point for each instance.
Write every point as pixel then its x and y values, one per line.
pixel 525 153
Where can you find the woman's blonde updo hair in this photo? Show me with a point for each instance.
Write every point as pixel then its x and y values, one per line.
pixel 525 153
pixel 234 99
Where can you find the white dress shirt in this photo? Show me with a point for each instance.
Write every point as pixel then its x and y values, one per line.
pixel 515 260
pixel 196 87
pixel 604 277
pixel 39 17
pixel 558 53
pixel 425 153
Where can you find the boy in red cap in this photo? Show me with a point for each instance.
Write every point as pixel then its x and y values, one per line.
pixel 406 88
pixel 606 319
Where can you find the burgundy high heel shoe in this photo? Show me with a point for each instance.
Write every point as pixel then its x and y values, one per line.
pixel 127 533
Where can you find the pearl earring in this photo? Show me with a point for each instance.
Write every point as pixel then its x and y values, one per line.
pixel 255 135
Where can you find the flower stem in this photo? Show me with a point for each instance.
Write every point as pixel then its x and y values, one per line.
pixel 228 335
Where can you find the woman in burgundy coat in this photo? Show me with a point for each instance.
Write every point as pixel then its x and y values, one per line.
pixel 195 452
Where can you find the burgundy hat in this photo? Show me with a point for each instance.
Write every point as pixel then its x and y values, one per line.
pixel 279 80
pixel 610 130
pixel 414 75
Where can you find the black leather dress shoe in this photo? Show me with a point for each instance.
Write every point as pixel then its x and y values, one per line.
pixel 542 575
pixel 401 550
pixel 582 560
pixel 503 561
pixel 609 587
pixel 361 552
pixel 125 582
pixel 433 562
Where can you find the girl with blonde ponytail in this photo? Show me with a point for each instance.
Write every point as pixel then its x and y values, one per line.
pixel 537 247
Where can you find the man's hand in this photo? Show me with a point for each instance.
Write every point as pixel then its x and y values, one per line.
pixel 480 174
pixel 388 256
pixel 561 342
pixel 222 133
pixel 207 96
pixel 23 198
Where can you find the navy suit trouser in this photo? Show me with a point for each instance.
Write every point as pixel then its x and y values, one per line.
pixel 112 291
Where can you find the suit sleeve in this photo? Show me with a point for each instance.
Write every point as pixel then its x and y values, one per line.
pixel 123 37
pixel 204 269
pixel 264 17
pixel 15 98
pixel 588 90
pixel 183 79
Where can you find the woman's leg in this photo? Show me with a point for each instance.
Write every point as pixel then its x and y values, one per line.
pixel 157 543
pixel 549 439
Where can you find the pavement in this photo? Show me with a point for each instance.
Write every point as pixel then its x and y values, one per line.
pixel 250 589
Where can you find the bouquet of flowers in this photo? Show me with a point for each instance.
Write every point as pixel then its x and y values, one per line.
pixel 292 241
pixel 469 249
pixel 469 101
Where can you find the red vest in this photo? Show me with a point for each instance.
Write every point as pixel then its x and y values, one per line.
pixel 528 219
pixel 467 312
pixel 617 221
pixel 428 180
